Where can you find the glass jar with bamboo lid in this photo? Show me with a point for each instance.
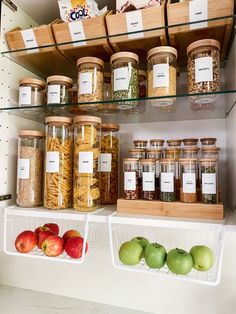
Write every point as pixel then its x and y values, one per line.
pixel 31 92
pixel 167 179
pixel 131 176
pixel 149 184
pixel 59 89
pixel 209 180
pixel 188 174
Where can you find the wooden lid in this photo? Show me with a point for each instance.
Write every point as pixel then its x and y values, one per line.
pixel 157 140
pixel 174 141
pixel 203 42
pixel 60 79
pixel 130 160
pixel 187 160
pixel 195 140
pixel 142 73
pixel 209 139
pixel 150 150
pixel 173 149
pixel 110 127
pixel 33 81
pixel 137 150
pixel 167 160
pixel 140 141
pixel 124 54
pixel 188 149
pixel 208 160
pixel 146 161
pixel 162 49
pixel 90 60
pixel 31 133
pixel 211 149
pixel 86 119
pixel 58 119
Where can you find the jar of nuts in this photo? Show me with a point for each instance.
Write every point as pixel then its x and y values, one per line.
pixel 149 186
pixel 131 188
pixel 59 89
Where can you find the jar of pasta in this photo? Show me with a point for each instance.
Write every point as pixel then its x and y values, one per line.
pixel 167 180
pixel 157 143
pixel 162 75
pixel 188 190
pixel 209 180
pixel 87 148
pixel 142 79
pixel 131 187
pixel 149 186
pixel 58 164
pixel 190 142
pixel 59 89
pixel 31 92
pixel 30 168
pixel 109 163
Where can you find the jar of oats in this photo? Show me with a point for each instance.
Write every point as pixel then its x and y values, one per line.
pixel 90 82
pixel 59 89
pixel 30 168
pixel 162 75
pixel 87 144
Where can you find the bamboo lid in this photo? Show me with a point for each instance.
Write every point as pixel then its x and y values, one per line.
pixel 87 119
pixel 157 140
pixel 32 81
pixel 140 141
pixel 110 127
pixel 203 42
pixel 162 49
pixel 125 160
pixel 195 140
pixel 211 149
pixel 167 160
pixel 90 60
pixel 58 119
pixel 31 133
pixel 147 161
pixel 124 54
pixel 190 149
pixel 60 79
pixel 153 150
pixel 208 160
pixel 173 149
pixel 142 73
pixel 208 139
pixel 187 160
pixel 178 141
pixel 137 150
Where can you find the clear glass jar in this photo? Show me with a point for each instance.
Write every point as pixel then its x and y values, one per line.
pixel 167 180
pixel 125 78
pixel 58 163
pixel 209 180
pixel 162 75
pixel 140 144
pixel 142 79
pixel 30 168
pixel 188 173
pixel 87 148
pixel 208 142
pixel 131 187
pixel 157 143
pixel 149 186
pixel 174 143
pixel 90 82
pixel 31 92
pixel 109 163
pixel 59 89
pixel 108 108
pixel 190 142
pixel 203 69
pixel 210 152
pixel 190 152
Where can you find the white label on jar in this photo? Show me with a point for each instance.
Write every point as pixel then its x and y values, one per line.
pixel 86 162
pixel 161 75
pixel 24 95
pixel 29 40
pixel 189 183
pixel 85 83
pixel 167 182
pixel 23 169
pixel 148 181
pixel 54 94
pixel 121 79
pixel 52 162
pixel 104 163
pixel 130 181
pixel 77 33
pixel 204 69
pixel 134 22
pixel 198 11
pixel 208 183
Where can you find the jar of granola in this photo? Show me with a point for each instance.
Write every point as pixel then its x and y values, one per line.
pixel 131 188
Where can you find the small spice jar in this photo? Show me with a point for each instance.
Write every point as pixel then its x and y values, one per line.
pixel 157 143
pixel 140 144
pixel 131 188
pixel 174 143
pixel 203 69
pixel 148 179
pixel 30 168
pixel 209 180
pixel 59 89
pixel 142 80
pixel 107 107
pixel 125 78
pixel 162 74
pixel 167 180
pixel 190 152
pixel 208 142
pixel 90 82
pixel 31 92
pixel 210 152
pixel 190 142
pixel 188 189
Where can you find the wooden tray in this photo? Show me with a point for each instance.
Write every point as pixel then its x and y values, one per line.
pixel 172 209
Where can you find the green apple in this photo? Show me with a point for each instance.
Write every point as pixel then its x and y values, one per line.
pixel 141 241
pixel 203 257
pixel 130 253
pixel 155 255
pixel 179 262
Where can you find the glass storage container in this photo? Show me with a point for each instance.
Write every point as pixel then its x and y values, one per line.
pixel 90 82
pixel 87 148
pixel 59 89
pixel 149 186
pixel 157 143
pixel 210 152
pixel 174 143
pixel 131 174
pixel 30 168
pixel 162 75
pixel 208 142
pixel 203 69
pixel 167 180
pixel 109 163
pixel 140 144
pixel 190 142
pixel 209 180
pixel 142 79
pixel 190 152
pixel 31 92
pixel 188 174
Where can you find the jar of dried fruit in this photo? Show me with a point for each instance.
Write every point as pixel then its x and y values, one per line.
pixel 188 189
pixel 59 89
pixel 149 184
pixel 31 92
pixel 131 188
pixel 167 180
pixel 209 180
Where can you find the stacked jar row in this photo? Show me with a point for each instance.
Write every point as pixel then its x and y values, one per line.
pixel 79 168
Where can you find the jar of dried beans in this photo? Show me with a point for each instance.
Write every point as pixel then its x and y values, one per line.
pixel 167 180
pixel 87 148
pixel 209 180
pixel 31 92
pixel 149 185
pixel 30 168
pixel 188 171
pixel 59 89
pixel 58 165
pixel 130 168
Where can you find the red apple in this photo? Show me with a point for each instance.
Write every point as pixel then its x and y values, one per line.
pixel 53 227
pixel 71 234
pixel 74 247
pixel 40 229
pixel 25 241
pixel 42 236
pixel 53 245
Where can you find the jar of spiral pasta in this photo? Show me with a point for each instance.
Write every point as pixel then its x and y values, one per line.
pixel 58 165
pixel 59 89
pixel 109 163
pixel 87 148
pixel 30 168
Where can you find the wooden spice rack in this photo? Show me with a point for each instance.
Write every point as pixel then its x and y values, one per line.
pixel 171 209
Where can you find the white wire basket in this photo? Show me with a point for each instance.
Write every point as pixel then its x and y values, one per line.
pixel 171 234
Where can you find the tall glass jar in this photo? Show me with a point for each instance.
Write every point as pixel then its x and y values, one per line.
pixel 188 173
pixel 167 180
pixel 140 154
pixel 109 163
pixel 157 143
pixel 209 180
pixel 149 188
pixel 59 89
pixel 31 92
pixel 90 82
pixel 131 188
pixel 30 168
pixel 142 79
pixel 87 148
pixel 162 74
pixel 58 163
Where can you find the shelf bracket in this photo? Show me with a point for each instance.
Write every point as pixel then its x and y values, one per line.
pixel 10 4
